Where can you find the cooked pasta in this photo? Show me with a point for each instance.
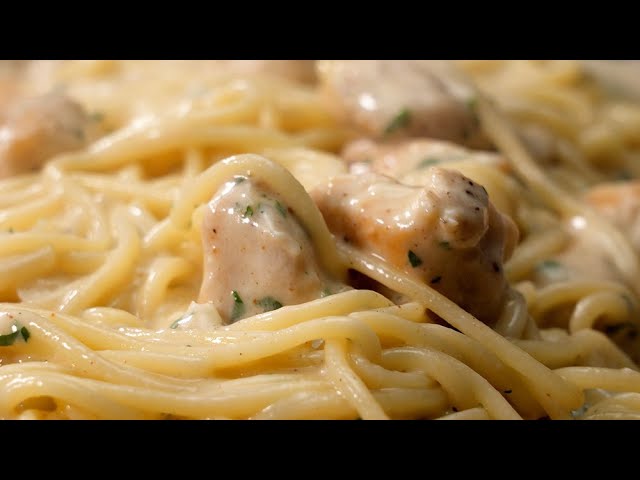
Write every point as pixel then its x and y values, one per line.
pixel 317 240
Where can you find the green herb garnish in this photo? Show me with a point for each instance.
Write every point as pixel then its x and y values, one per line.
pixel 325 292
pixel 177 323
pixel 401 120
pixel 579 412
pixel 414 260
pixel 549 264
pixel 427 162
pixel 281 209
pixel 10 338
pixel 248 211
pixel 628 302
pixel 472 105
pixel 238 306
pixel 269 304
pixel 97 116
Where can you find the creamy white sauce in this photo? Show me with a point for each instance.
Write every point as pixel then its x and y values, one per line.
pixel 199 316
pixel 410 157
pixel 257 255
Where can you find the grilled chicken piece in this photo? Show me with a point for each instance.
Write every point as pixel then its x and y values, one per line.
pixel 36 129
pixel 447 233
pixel 403 98
pixel 257 256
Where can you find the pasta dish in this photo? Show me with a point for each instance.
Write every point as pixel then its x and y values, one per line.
pixel 270 239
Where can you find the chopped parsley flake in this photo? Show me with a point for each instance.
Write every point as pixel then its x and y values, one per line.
pixel 628 302
pixel 414 260
pixel 579 412
pixel 269 304
pixel 552 269
pixel 472 105
pixel 428 162
pixel 10 338
pixel 238 306
pixel 177 323
pixel 325 292
pixel 281 209
pixel 549 264
pixel 97 116
pixel 25 334
pixel 401 120
pixel 248 211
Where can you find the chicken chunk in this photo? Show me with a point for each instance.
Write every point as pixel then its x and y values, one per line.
pixel 11 73
pixel 257 256
pixel 398 159
pixel 408 160
pixel 36 129
pixel 403 98
pixel 620 203
pixel 583 257
pixel 295 70
pixel 447 233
